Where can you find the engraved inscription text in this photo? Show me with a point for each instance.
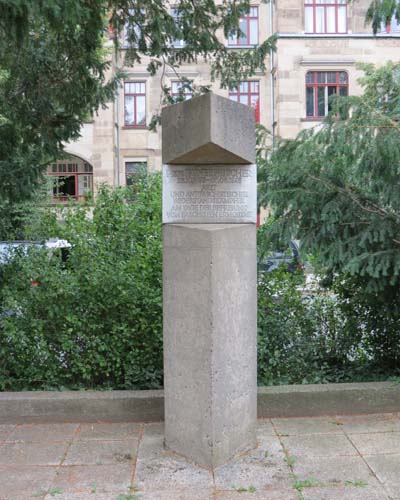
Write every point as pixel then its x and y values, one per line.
pixel 209 193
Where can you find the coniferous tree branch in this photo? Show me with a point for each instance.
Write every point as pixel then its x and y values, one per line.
pixel 336 187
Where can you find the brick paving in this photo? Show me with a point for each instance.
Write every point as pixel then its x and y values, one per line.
pixel 325 458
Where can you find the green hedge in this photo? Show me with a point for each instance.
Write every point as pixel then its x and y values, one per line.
pixel 95 321
pixel 320 336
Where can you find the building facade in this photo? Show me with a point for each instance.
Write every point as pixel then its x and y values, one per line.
pixel 319 44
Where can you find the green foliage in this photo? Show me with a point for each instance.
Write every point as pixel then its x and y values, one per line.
pixel 27 220
pixel 320 336
pixel 335 187
pixel 357 483
pixel 374 319
pixel 290 460
pixel 58 78
pixel 300 337
pixel 300 484
pixel 380 13
pixel 63 70
pixel 151 31
pixel 94 321
pixel 243 489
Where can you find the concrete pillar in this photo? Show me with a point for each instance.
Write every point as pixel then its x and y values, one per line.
pixel 209 279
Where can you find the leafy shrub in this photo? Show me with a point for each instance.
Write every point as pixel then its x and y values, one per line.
pixel 96 320
pixel 298 336
pixel 324 336
pixel 373 318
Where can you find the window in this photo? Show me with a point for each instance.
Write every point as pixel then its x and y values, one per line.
pixel 178 44
pixel 249 28
pixel 325 16
pixel 135 104
pixel 134 170
pixel 320 85
pixel 131 32
pixel 132 29
pixel 72 178
pixel 248 93
pixel 179 90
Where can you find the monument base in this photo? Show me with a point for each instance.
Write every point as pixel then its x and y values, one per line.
pixel 210 339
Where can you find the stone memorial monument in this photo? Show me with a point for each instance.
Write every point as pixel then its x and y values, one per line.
pixel 209 278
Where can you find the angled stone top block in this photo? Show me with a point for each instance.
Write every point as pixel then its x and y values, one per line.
pixel 209 129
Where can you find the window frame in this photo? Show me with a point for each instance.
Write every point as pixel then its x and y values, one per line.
pixel 247 18
pixel 125 44
pixel 176 43
pixel 188 95
pixel 135 125
pixel 83 169
pixel 237 92
pixel 140 161
pixel 315 85
pixel 312 5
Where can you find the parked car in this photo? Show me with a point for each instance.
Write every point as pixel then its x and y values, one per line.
pixel 9 248
pixel 289 258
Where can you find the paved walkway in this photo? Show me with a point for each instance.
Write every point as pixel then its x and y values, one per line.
pixel 331 458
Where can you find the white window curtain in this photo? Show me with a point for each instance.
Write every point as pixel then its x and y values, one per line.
pixel 129 110
pixel 330 20
pixel 342 21
pixel 320 20
pixel 141 110
pixel 309 20
pixel 253 32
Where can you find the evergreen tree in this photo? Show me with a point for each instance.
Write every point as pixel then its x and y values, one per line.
pixel 336 186
pixel 52 75
pixel 381 12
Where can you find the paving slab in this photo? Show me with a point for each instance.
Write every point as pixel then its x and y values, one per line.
pixel 105 431
pixel 386 422
pixel 345 493
pixel 331 471
pixel 376 443
pixel 101 452
pixel 319 445
pixel 22 482
pixel 158 469
pixel 81 496
pixel 38 453
pixel 394 493
pixel 94 479
pixel 265 427
pixel 187 494
pixel 349 458
pixel 40 433
pixel 281 494
pixel 262 468
pixel 294 426
pixel 387 470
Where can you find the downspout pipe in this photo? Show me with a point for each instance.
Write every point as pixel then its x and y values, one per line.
pixel 116 126
pixel 272 71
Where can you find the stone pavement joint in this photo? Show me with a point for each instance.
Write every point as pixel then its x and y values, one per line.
pixel 324 458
